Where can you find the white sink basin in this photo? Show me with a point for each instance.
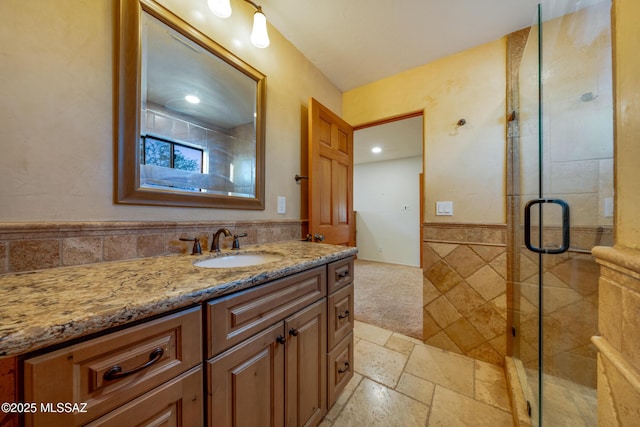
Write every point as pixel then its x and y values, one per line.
pixel 239 260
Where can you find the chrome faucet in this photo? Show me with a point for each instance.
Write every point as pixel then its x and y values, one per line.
pixel 215 244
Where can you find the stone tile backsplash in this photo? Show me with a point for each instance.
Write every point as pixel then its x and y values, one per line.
pixel 24 247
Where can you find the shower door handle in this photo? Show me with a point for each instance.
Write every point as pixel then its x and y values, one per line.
pixel 565 226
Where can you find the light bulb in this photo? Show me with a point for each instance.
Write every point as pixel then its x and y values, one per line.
pixel 192 99
pixel 259 35
pixel 220 8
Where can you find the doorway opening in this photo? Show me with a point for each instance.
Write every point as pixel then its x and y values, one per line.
pixel 387 199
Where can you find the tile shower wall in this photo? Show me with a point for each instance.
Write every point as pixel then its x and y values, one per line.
pixel 570 301
pixel 464 289
pixel 618 349
pixel 33 246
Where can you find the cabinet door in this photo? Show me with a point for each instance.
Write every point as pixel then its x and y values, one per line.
pixel 246 382
pixel 306 370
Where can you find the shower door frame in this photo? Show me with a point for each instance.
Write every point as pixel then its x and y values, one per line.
pixel 556 241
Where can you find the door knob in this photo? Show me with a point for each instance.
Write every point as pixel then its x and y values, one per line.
pixel 293 332
pixel 281 340
pixel 318 237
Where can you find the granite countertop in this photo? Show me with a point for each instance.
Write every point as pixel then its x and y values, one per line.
pixel 46 307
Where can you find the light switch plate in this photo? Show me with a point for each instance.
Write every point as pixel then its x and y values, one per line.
pixel 608 207
pixel 282 205
pixel 444 208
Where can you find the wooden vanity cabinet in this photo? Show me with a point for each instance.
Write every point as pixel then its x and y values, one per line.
pixel 340 327
pixel 277 354
pixel 111 371
pixel 277 376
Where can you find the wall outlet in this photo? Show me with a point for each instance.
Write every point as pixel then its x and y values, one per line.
pixel 282 205
pixel 444 208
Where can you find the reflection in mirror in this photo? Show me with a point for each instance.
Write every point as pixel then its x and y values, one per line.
pixel 198 133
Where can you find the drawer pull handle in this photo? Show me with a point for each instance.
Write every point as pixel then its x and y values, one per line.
pixel 345 369
pixel 293 332
pixel 281 340
pixel 341 275
pixel 115 372
pixel 344 315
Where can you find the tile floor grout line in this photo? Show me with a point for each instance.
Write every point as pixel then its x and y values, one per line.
pixel 406 347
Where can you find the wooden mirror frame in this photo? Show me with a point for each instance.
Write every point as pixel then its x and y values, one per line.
pixel 127 94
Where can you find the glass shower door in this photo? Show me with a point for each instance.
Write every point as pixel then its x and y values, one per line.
pixel 565 164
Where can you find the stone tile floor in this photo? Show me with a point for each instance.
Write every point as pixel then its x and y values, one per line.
pixel 399 381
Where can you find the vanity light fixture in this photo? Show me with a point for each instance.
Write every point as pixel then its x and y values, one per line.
pixel 376 150
pixel 220 8
pixel 259 35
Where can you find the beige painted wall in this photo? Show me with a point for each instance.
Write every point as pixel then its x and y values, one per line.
pixel 465 164
pixel 627 119
pixel 57 111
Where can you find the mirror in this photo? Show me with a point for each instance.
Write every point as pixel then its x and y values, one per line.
pixel 190 122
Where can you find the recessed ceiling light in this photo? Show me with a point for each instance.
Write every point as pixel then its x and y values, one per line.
pixel 192 99
pixel 376 150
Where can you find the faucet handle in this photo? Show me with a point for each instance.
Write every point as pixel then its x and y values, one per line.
pixel 197 249
pixel 236 242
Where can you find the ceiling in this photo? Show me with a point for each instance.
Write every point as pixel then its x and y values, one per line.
pixel 397 140
pixel 175 66
pixel 355 42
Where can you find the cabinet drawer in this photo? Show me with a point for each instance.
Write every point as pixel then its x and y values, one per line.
pixel 339 368
pixel 340 274
pixel 175 403
pixel 340 317
pixel 236 317
pixel 108 371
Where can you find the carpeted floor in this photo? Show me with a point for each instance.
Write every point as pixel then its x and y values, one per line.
pixel 389 296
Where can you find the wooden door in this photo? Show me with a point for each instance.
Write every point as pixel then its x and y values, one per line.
pixel 331 217
pixel 246 383
pixel 306 369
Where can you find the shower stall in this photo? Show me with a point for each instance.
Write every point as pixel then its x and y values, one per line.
pixel 560 205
